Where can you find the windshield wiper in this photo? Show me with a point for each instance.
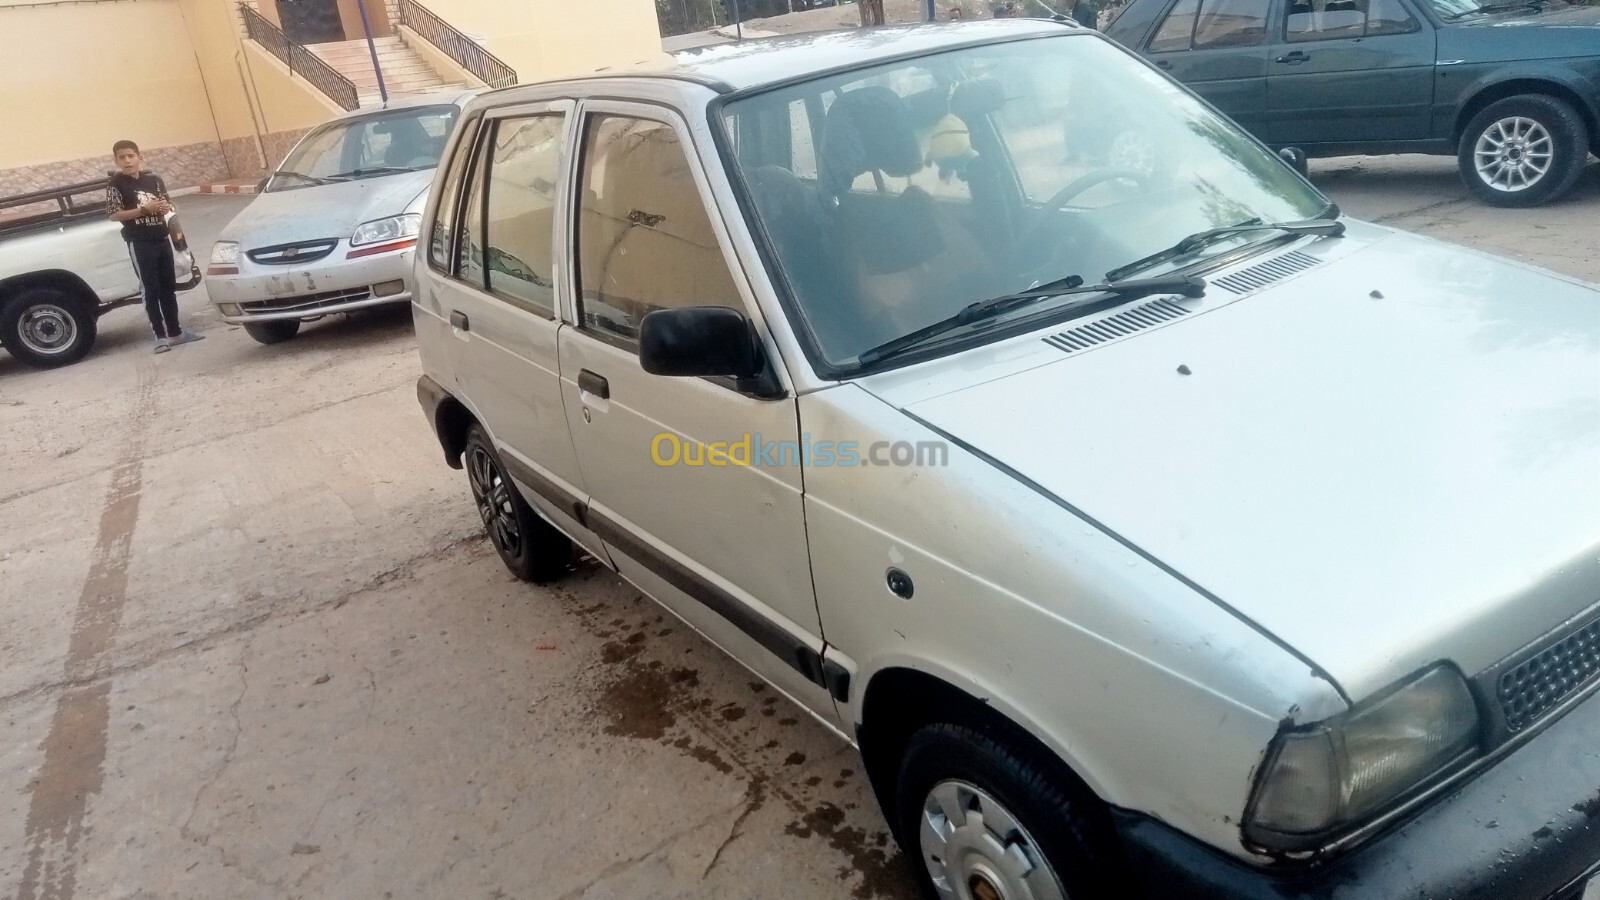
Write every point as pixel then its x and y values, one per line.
pixel 314 179
pixel 1329 227
pixel 1113 293
pixel 375 170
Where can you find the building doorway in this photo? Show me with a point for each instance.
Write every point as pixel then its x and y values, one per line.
pixel 311 21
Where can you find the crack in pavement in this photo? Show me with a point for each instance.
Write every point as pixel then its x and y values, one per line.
pixel 259 426
pixel 622 865
pixel 207 640
pixel 227 758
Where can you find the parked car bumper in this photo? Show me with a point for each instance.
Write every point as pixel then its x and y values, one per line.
pixel 1527 828
pixel 264 293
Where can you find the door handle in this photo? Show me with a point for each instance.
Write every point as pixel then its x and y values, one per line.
pixel 591 383
pixel 1163 64
pixel 1295 58
pixel 459 319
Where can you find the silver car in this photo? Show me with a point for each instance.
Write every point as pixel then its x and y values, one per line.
pixel 334 227
pixel 1152 528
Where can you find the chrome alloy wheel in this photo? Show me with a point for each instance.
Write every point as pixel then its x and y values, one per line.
pixel 47 329
pixel 492 493
pixel 975 849
pixel 1513 154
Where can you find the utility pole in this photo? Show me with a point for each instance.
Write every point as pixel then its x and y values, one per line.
pixel 366 27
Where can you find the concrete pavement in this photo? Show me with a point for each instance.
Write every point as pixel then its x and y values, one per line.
pixel 253 645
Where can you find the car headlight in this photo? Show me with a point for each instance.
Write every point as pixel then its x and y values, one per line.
pixel 394 228
pixel 1324 778
pixel 224 253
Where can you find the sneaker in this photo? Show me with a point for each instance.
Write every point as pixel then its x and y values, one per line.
pixel 163 345
pixel 186 337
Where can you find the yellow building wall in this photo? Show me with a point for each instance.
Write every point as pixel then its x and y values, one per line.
pixel 74 78
pixel 544 39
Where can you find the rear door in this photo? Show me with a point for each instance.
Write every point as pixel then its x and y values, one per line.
pixel 717 533
pixel 492 273
pixel 1350 72
pixel 1218 48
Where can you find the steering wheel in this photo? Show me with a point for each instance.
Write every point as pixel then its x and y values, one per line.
pixel 1029 237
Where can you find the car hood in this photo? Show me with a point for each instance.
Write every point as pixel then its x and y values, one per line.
pixel 1387 460
pixel 325 210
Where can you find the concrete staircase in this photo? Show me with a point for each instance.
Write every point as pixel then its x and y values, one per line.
pixel 404 72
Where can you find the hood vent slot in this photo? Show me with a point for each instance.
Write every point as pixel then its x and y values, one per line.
pixel 1110 328
pixel 1262 274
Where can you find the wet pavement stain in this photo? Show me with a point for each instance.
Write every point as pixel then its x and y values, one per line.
pixel 75 746
pixel 883 873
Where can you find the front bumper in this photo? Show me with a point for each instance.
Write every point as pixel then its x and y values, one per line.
pixel 1526 828
pixel 333 284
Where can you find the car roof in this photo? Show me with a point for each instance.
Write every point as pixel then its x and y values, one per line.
pixel 762 61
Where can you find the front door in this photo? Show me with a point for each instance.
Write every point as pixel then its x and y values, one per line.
pixel 311 21
pixel 680 491
pixel 1218 48
pixel 1350 72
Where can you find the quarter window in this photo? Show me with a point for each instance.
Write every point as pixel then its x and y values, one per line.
pixel 444 216
pixel 645 241
pixel 1177 29
pixel 1320 20
pixel 1212 24
pixel 519 222
pixel 1231 23
pixel 469 229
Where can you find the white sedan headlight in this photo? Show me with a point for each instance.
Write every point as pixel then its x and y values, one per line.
pixel 394 228
pixel 225 253
pixel 1341 772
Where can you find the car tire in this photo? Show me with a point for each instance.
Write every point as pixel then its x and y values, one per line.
pixel 273 332
pixel 1038 832
pixel 46 327
pixel 529 546
pixel 1523 151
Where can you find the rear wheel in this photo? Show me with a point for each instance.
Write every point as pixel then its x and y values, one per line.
pixel 529 546
pixel 47 327
pixel 1523 151
pixel 983 817
pixel 273 332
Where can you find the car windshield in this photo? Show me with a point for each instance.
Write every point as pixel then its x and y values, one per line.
pixel 893 196
pixel 394 141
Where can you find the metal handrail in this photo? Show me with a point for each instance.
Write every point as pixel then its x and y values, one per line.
pixel 300 61
pixel 466 52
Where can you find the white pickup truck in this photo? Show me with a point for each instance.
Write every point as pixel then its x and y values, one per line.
pixel 63 264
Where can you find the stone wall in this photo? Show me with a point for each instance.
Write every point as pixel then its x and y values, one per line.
pixel 179 167
pixel 243 161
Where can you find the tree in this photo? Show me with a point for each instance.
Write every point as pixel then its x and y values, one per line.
pixel 871 12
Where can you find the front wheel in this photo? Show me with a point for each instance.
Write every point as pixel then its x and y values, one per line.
pixel 529 546
pixel 46 327
pixel 982 817
pixel 1523 151
pixel 275 332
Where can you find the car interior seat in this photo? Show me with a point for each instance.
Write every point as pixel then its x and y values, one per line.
pixel 905 259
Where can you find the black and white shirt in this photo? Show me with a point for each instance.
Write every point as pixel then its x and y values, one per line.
pixel 129 192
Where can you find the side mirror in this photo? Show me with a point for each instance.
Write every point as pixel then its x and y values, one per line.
pixel 262 184
pixel 699 340
pixel 1296 158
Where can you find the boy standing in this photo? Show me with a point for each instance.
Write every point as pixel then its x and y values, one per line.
pixel 138 199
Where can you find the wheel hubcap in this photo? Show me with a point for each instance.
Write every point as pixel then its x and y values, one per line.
pixel 1513 154
pixel 47 329
pixel 975 849
pixel 492 494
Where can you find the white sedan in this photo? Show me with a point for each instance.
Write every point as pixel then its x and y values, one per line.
pixel 335 225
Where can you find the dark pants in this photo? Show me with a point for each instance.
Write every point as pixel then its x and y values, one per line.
pixel 155 265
